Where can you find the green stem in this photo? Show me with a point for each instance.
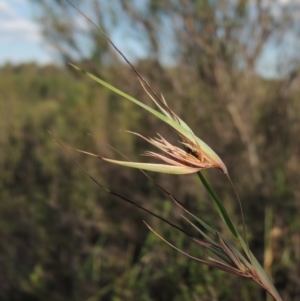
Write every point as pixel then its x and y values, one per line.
pixel 219 205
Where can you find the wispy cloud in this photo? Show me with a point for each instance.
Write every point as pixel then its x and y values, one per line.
pixel 20 37
pixel 19 30
pixel 6 10
pixel 14 26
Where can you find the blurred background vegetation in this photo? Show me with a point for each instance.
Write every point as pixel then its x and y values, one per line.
pixel 62 238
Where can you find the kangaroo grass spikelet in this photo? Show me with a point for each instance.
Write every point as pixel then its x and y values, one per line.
pixel 197 156
pixel 194 156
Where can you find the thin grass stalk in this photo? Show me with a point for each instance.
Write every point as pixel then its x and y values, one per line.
pixel 195 156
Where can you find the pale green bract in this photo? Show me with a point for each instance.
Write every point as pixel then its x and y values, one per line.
pixel 176 123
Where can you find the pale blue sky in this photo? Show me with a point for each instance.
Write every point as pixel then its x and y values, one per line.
pixel 21 39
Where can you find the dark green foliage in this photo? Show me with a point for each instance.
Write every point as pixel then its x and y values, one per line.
pixel 63 238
